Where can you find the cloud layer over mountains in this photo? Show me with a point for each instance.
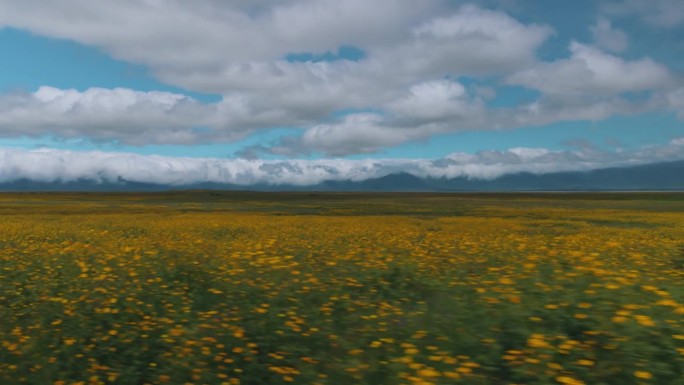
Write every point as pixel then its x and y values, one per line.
pixel 48 165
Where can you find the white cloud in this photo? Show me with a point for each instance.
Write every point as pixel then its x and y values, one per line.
pixel 608 37
pixel 138 118
pixel 549 110
pixel 356 133
pixel 469 41
pixel 131 117
pixel 592 72
pixel 105 114
pixel 45 165
pixel 675 100
pixel 176 38
pixel 474 40
pixel 238 48
pixel 658 13
pixel 432 109
pixel 427 109
pixel 432 101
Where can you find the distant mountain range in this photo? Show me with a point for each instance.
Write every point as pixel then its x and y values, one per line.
pixel 650 177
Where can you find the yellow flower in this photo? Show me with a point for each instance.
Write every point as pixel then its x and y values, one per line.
pixel 537 341
pixel 566 380
pixel 643 374
pixel 428 372
pixel 644 320
pixel 584 362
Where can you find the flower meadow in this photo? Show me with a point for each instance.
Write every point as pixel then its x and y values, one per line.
pixel 301 288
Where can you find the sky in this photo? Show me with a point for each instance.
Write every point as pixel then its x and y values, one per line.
pixel 300 91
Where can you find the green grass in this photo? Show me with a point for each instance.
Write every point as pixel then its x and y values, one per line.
pixel 312 288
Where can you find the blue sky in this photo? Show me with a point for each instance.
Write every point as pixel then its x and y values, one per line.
pixel 314 81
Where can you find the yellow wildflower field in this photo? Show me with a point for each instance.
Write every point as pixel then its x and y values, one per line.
pixel 265 288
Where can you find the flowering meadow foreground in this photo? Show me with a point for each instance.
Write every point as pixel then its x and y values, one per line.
pixel 249 288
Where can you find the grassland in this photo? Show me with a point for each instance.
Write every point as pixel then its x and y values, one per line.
pixel 305 288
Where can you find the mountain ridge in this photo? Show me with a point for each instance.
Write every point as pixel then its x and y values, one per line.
pixel 665 176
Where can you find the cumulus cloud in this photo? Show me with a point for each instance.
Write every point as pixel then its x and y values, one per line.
pixel 359 133
pixel 608 37
pixel 419 119
pixel 48 165
pixel 470 41
pixel 552 109
pixel 215 46
pixel 675 100
pixel 435 101
pixel 239 50
pixel 658 13
pixel 590 71
pixel 138 118
pixel 105 114
pixel 131 117
pixel 426 109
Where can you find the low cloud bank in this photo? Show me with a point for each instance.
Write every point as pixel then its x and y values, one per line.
pixel 55 166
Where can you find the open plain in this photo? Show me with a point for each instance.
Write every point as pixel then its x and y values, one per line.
pixel 308 288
